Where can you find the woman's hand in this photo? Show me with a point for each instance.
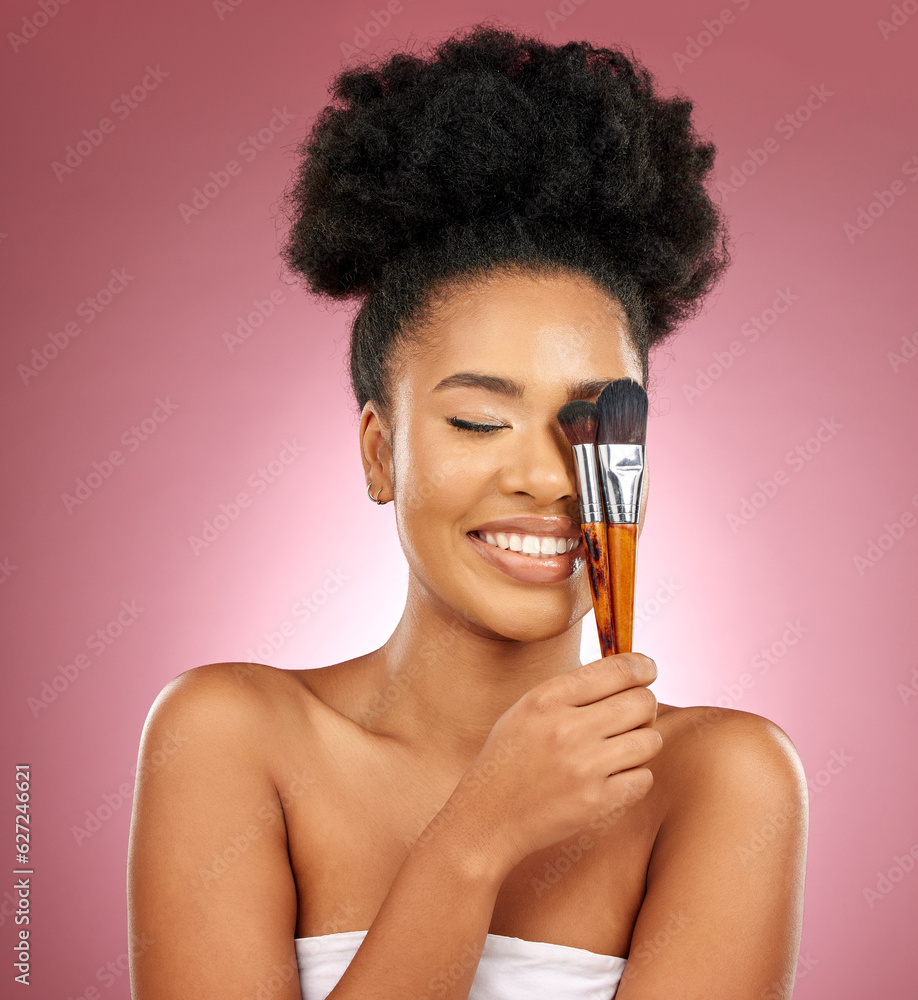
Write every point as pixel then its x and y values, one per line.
pixel 572 748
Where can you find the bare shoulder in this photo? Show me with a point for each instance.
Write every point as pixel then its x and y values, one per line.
pixel 249 718
pixel 701 740
pixel 726 873
pixel 230 697
pixel 708 720
pixel 246 680
pixel 208 846
pixel 733 771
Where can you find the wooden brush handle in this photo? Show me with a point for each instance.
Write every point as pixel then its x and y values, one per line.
pixel 594 537
pixel 622 540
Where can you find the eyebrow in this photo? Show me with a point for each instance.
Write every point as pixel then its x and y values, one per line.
pixel 513 390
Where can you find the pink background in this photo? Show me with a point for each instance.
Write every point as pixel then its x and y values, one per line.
pixel 711 596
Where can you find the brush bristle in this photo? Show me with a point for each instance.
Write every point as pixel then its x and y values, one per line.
pixel 622 413
pixel 579 420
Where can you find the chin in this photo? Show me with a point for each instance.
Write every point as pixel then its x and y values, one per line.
pixel 526 621
pixel 534 634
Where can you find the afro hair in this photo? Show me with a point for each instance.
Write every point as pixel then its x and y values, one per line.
pixel 501 150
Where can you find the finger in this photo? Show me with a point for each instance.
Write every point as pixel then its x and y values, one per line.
pixel 619 713
pixel 626 788
pixel 627 750
pixel 600 678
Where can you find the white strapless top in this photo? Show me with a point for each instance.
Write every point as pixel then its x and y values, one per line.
pixel 511 968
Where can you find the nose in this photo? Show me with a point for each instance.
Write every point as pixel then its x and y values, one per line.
pixel 541 465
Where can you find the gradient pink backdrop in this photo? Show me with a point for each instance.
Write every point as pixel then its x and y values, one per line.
pixel 711 596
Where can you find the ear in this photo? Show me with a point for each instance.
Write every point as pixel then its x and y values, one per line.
pixel 376 450
pixel 645 490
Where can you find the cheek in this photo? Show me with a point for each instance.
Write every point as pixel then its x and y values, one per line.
pixel 438 480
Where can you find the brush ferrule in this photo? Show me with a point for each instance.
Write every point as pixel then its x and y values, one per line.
pixel 621 469
pixel 588 487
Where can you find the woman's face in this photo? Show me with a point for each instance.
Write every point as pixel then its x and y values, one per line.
pixel 476 460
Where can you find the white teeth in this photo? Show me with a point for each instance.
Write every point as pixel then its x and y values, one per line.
pixel 531 545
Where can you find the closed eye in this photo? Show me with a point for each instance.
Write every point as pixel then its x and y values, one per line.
pixel 470 425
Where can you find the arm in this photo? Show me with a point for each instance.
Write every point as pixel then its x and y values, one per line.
pixel 207 920
pixel 216 923
pixel 427 938
pixel 722 915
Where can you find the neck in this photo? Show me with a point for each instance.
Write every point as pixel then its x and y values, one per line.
pixel 440 683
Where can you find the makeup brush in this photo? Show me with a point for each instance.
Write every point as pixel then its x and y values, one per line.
pixel 579 420
pixel 620 441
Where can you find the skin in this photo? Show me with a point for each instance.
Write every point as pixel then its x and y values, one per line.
pixel 451 480
pixel 698 879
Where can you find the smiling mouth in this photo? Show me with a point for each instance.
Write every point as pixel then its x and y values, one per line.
pixel 534 546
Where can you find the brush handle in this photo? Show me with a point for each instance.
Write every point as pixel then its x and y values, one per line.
pixel 622 541
pixel 594 538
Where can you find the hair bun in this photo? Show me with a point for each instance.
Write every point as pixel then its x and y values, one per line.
pixel 499 130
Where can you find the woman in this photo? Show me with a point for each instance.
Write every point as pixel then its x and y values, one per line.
pixel 468 808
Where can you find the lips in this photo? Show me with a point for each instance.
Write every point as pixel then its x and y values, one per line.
pixel 526 548
pixel 530 524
